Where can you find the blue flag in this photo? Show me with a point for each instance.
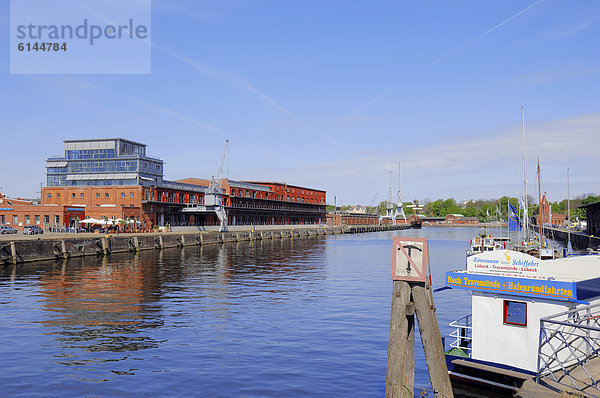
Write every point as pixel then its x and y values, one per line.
pixel 513 218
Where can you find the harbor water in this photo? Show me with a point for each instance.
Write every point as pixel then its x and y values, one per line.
pixel 273 318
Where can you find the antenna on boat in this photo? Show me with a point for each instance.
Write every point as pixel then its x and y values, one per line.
pixel 540 214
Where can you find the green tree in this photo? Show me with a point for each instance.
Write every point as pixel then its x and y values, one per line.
pixel 591 198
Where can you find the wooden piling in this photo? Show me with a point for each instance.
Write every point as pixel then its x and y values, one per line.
pixel 105 250
pixel 412 295
pixel 432 339
pixel 400 367
pixel 13 252
pixel 63 249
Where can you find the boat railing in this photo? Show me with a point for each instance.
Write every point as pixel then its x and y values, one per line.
pixel 569 349
pixel 461 335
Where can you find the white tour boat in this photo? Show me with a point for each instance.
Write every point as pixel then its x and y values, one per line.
pixel 517 300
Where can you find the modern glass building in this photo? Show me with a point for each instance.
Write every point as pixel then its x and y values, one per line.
pixel 103 162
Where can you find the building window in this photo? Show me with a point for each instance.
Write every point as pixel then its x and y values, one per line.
pixel 15 220
pixel 131 194
pixel 27 220
pixel 58 195
pixel 82 195
pixel 37 220
pixel 106 195
pixel 49 195
pixel 46 219
pixel 97 194
pixel 73 195
pixel 56 220
pixel 122 194
pixel 2 219
pixel 515 313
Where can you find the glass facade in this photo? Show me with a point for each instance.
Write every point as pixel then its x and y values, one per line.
pixel 103 162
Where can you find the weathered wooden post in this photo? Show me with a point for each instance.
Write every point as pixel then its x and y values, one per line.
pixel 13 252
pixel 105 247
pixel 412 295
pixel 63 249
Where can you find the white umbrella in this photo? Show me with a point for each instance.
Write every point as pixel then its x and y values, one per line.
pixel 90 221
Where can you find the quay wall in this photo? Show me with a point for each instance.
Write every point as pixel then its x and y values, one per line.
pixel 39 248
pixel 579 240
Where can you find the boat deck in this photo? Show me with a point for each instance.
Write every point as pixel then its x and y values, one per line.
pixel 548 387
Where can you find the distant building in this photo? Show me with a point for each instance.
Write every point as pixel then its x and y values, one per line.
pixel 593 218
pixel 347 218
pixel 451 219
pixel 358 209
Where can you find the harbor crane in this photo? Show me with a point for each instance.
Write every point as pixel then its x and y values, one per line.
pixel 389 205
pixel 373 206
pixel 213 198
pixel 399 208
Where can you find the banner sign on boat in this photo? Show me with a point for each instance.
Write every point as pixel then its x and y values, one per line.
pixel 409 261
pixel 506 263
pixel 557 290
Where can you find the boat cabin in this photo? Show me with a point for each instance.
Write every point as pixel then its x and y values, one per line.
pixel 480 244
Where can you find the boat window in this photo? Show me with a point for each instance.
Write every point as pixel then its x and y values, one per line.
pixel 515 313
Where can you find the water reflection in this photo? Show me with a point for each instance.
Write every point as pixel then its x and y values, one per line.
pixel 104 310
pixel 285 316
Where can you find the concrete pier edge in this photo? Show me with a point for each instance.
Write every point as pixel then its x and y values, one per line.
pixel 40 248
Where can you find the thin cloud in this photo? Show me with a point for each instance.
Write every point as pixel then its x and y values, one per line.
pixel 366 104
pixel 446 55
pixel 566 31
pixel 551 76
pixel 181 117
pixel 498 152
pixel 29 136
pixel 229 77
pixel 186 119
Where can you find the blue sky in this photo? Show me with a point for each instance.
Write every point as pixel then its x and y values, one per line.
pixel 334 94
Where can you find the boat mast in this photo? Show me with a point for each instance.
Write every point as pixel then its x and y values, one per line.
pixel 540 215
pixel 525 215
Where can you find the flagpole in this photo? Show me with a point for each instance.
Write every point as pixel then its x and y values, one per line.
pixel 569 247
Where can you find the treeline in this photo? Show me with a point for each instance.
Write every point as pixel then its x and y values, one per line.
pixel 484 210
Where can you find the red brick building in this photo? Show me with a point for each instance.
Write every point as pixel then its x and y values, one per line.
pixel 114 178
pixel 20 212
pixel 546 216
